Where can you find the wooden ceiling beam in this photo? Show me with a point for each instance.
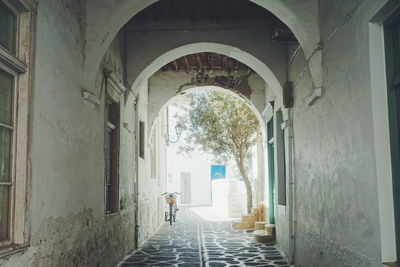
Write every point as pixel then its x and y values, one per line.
pixel 212 63
pixel 237 64
pixel 199 61
pixel 207 57
pixel 175 65
pixel 205 61
pixel 187 63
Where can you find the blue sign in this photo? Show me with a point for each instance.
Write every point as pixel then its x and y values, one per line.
pixel 217 172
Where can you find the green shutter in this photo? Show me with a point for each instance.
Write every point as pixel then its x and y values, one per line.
pixel 392 51
pixel 271 171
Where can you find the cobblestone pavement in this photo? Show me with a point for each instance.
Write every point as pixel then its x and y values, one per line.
pixel 195 242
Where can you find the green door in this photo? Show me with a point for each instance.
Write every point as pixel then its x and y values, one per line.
pixel 392 50
pixel 271 171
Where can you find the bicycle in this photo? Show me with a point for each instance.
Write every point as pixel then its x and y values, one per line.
pixel 170 199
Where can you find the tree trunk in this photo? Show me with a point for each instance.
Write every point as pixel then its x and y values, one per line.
pixel 247 183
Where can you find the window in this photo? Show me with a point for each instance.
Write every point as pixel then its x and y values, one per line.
pixel 115 90
pixel 112 157
pixel 141 139
pixel 6 150
pixel 8 27
pixel 15 75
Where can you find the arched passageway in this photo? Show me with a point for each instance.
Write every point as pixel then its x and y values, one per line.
pixel 194 89
pixel 301 18
pixel 269 86
pixel 76 73
pixel 174 79
pixel 252 62
pixel 231 250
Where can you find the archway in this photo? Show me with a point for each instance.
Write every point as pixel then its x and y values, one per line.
pixel 259 67
pixel 196 167
pixel 193 89
pixel 300 18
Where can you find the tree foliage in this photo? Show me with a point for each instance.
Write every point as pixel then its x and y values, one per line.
pixel 222 125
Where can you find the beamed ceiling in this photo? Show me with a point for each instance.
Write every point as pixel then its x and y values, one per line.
pixel 205 62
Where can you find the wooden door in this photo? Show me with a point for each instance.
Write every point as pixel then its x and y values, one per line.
pixel 185 188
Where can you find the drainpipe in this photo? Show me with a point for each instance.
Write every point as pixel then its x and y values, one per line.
pixel 136 166
pixel 292 189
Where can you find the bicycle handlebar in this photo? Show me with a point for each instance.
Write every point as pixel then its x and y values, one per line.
pixel 166 193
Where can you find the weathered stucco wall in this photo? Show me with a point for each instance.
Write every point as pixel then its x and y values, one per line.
pixel 336 198
pixel 68 222
pixel 151 203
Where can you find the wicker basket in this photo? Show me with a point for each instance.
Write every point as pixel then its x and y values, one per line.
pixel 170 199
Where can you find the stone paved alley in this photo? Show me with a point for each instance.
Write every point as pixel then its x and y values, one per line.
pixel 193 242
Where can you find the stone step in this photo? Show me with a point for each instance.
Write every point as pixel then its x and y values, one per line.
pixel 260 225
pixel 255 211
pixel 270 228
pixel 262 236
pixel 249 218
pixel 238 225
pixel 248 221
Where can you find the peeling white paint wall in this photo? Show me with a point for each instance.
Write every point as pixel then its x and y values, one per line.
pixel 68 222
pixel 151 203
pixel 337 219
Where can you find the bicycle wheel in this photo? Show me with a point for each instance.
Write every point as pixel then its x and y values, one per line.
pixel 170 214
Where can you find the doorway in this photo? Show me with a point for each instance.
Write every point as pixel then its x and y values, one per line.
pixel 185 187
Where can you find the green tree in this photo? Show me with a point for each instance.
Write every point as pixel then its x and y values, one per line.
pixel 222 125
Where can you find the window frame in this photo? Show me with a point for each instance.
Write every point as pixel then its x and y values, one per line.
pixel 19 227
pixel 13 148
pixel 115 93
pixel 111 126
pixel 6 56
pixel 16 12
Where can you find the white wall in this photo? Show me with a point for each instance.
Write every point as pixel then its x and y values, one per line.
pixel 67 222
pixel 198 164
pixel 151 205
pixel 336 204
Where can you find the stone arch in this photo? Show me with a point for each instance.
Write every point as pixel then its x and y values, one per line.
pixel 193 89
pixel 258 66
pixel 301 18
